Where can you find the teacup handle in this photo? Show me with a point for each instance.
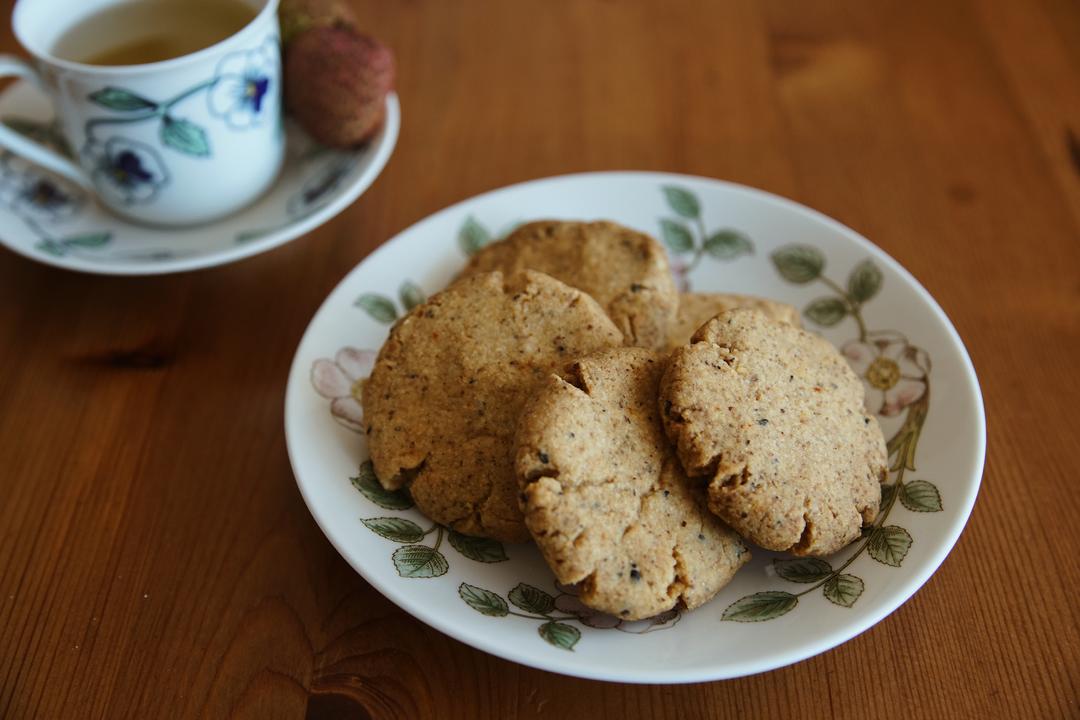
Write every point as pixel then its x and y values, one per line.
pixel 32 150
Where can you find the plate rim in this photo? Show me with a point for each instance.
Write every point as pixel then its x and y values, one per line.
pixel 659 675
pixel 384 148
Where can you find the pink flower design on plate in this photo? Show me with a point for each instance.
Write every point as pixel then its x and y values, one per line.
pixel 341 381
pixel 893 370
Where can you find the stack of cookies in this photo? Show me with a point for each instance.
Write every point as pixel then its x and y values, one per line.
pixel 563 391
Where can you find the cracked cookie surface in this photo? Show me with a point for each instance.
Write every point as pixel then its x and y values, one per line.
pixel 626 271
pixel 604 496
pixel 773 418
pixel 696 309
pixel 442 402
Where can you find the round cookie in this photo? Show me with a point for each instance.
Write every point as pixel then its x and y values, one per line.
pixel 626 271
pixel 605 498
pixel 773 418
pixel 443 399
pixel 696 309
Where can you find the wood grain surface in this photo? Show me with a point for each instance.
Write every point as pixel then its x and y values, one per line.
pixel 156 559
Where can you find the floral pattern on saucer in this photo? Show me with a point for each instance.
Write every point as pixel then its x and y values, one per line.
pixel 49 219
pixel 43 202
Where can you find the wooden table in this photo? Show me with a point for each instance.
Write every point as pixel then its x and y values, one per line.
pixel 156 559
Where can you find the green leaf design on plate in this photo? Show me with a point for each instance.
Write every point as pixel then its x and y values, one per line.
pixel 676 236
pixel 864 282
pixel 532 599
pixel 121 100
pixel 368 484
pixel 803 570
pixel 560 634
pixel 419 561
pixel 921 496
pixel 89 240
pixel 410 294
pixel 826 311
pixel 185 136
pixel 760 606
pixel 483 601
pixel 798 263
pixel 379 307
pixel 472 236
pixel 396 529
pixel 889 545
pixel 886 494
pixel 728 244
pixel 682 201
pixel 843 589
pixel 482 550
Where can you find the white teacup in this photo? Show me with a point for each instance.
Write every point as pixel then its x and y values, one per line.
pixel 177 142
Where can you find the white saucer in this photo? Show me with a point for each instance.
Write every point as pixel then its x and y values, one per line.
pixel 50 220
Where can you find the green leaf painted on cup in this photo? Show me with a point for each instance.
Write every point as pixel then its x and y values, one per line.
pixel 560 635
pixel 185 136
pixel 410 295
pixel 798 263
pixel 921 496
pixel 760 606
pixel 826 311
pixel 802 570
pixel 419 561
pixel 682 201
pixel 676 236
pixel 121 100
pixel 843 589
pixel 864 282
pixel 483 601
pixel 396 529
pixel 728 244
pixel 378 307
pixel 531 599
pixel 889 545
pixel 482 550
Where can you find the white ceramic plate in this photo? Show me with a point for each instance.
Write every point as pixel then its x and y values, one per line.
pixel 722 237
pixel 50 220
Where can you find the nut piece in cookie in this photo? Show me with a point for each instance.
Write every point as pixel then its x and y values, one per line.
pixel 696 309
pixel 605 498
pixel 626 271
pixel 443 399
pixel 772 417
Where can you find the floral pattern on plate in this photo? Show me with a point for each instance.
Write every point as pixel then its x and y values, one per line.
pixel 896 374
pixel 778 609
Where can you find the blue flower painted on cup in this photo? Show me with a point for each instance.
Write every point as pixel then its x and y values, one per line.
pixel 244 86
pixel 126 170
pixel 27 191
